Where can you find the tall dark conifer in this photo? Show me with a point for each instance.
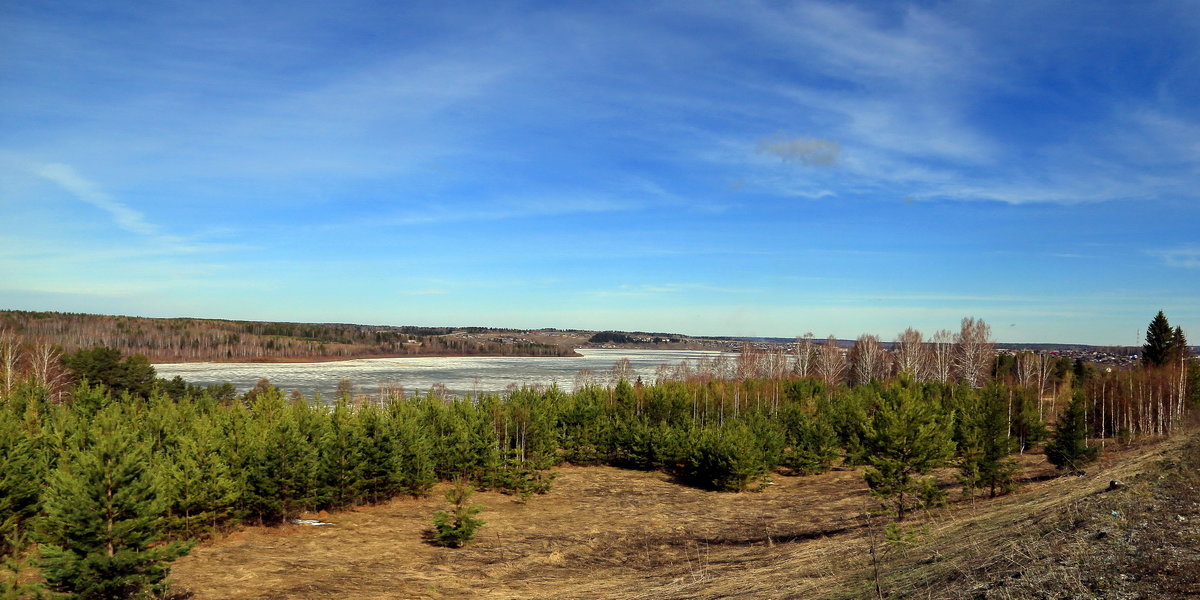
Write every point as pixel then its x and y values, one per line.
pixel 1159 337
pixel 1179 347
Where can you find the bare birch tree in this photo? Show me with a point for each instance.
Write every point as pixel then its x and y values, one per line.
pixel 622 371
pixel 10 353
pixel 803 365
pixel 722 368
pixel 941 352
pixel 749 363
pixel 663 373
pixel 684 371
pixel 584 378
pixel 911 355
pixel 868 360
pixel 1027 368
pixel 45 367
pixel 974 352
pixel 831 363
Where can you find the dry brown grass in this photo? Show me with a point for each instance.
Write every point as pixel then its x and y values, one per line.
pixel 610 533
pixel 1044 542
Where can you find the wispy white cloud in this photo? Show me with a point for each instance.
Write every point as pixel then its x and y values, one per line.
pixel 1187 257
pixel 497 211
pixel 85 190
pixel 658 289
pixel 901 90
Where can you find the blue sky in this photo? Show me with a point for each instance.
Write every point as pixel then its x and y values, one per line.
pixel 720 168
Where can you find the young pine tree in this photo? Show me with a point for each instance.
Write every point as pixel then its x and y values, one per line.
pixel 199 489
pixel 812 444
pixel 456 529
pixel 101 526
pixel 341 458
pixel 379 470
pixel 293 460
pixel 1068 448
pixel 906 437
pixel 725 459
pixel 20 481
pixel 985 456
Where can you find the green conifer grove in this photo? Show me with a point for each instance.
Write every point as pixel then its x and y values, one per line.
pixel 104 483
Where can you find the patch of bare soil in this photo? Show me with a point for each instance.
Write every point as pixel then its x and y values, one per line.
pixel 609 533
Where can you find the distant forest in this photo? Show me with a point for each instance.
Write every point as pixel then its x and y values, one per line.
pixel 185 339
pixel 616 337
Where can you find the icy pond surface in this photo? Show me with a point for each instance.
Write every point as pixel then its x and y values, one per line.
pixel 461 375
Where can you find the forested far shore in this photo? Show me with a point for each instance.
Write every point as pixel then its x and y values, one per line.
pixel 216 340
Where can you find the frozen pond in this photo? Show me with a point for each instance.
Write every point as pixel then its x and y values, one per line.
pixel 461 375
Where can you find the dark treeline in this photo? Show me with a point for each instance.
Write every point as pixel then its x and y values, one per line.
pixel 81 470
pixel 617 337
pixel 183 340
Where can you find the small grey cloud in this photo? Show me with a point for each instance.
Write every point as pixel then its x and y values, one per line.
pixel 813 152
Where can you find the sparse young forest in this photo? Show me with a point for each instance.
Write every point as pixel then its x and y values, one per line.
pixel 107 474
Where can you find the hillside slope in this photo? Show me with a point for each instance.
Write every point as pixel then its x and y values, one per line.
pixel 1088 537
pixel 610 533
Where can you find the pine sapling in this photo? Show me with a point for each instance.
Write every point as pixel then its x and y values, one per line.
pixel 456 529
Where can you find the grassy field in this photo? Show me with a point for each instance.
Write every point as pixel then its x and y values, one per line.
pixel 609 533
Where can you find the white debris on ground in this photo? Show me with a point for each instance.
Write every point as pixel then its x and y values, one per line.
pixel 312 522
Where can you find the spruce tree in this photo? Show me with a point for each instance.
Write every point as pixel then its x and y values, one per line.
pixel 101 526
pixel 1180 352
pixel 14 584
pixel 380 470
pixel 1068 448
pixel 1027 426
pixel 1159 341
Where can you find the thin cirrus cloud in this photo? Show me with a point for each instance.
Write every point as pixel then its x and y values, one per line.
pixel 905 110
pixel 447 141
pixel 660 289
pixel 84 190
pixel 125 217
pixel 1185 258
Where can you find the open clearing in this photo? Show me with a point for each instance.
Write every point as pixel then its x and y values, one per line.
pixel 604 532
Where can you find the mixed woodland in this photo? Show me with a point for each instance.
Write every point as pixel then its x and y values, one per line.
pixel 108 473
pixel 192 340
